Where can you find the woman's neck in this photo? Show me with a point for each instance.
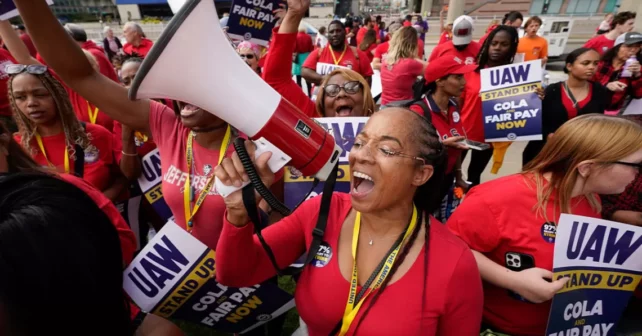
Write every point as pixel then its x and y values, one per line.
pixel 578 188
pixel 384 222
pixel 53 128
pixel 441 99
pixel 575 83
pixel 211 139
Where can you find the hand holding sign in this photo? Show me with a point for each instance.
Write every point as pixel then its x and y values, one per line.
pixel 298 7
pixel 532 285
pixel 455 142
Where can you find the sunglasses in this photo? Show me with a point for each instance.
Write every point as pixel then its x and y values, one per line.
pixel 630 164
pixel 247 56
pixel 332 90
pixel 14 69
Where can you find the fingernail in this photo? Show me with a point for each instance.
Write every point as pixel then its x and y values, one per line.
pixel 237 183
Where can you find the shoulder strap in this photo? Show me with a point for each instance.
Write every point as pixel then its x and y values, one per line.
pixel 79 165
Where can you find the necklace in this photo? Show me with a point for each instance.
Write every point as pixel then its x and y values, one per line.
pixel 371 241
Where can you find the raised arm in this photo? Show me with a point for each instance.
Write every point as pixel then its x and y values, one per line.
pixel 14 44
pixel 63 55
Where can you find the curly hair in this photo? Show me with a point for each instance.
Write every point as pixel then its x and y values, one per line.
pixel 75 133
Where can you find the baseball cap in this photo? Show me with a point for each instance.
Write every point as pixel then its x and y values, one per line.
pixel 463 30
pixel 446 65
pixel 629 38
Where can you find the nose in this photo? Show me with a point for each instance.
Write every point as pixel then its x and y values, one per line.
pixel 363 154
pixel 32 101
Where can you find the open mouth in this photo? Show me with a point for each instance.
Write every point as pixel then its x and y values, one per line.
pixel 344 111
pixel 362 184
pixel 189 110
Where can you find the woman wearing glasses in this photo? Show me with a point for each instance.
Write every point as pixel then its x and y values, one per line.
pixel 343 92
pixel 250 53
pixel 565 177
pixel 428 284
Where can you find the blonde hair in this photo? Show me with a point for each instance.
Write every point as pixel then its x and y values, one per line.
pixel 403 44
pixel 349 75
pixel 599 138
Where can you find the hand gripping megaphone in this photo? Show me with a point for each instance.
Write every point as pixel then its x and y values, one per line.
pixel 193 62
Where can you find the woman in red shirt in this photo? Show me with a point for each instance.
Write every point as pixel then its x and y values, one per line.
pixel 397 165
pixel 578 95
pixel 343 92
pixel 498 49
pixel 400 67
pixel 566 177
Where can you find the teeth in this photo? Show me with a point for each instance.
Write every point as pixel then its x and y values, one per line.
pixel 363 176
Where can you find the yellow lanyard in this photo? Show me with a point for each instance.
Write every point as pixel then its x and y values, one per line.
pixel 188 192
pixel 334 58
pixel 42 149
pixel 94 116
pixel 352 310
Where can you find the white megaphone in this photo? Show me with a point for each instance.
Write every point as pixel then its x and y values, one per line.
pixel 193 62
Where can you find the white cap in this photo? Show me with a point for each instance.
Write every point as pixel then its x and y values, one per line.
pixel 463 30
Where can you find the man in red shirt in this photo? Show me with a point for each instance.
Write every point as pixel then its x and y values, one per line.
pixel 80 36
pixel 334 56
pixel 136 41
pixel 622 23
pixel 367 25
pixel 512 18
pixel 462 44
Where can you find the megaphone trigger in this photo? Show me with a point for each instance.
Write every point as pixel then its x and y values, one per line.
pixel 278 160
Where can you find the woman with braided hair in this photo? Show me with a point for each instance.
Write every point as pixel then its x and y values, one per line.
pixel 410 275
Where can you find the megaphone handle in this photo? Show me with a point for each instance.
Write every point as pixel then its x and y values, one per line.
pixel 278 160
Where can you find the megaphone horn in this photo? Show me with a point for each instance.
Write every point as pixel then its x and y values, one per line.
pixel 193 62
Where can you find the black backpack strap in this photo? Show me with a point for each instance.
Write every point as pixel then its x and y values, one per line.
pixel 79 165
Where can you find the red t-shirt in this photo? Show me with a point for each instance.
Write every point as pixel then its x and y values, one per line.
pixel 99 165
pixel 397 81
pixel 278 74
pixel 106 68
pixel 447 126
pixel 483 39
pixel 468 55
pixel 407 24
pixel 600 43
pixel 304 43
pixel 142 50
pixel 568 103
pixel 382 49
pixel 127 237
pixel 445 37
pixel 453 295
pixel 324 64
pixel 5 59
pixel 361 34
pixel 495 225
pixel 471 109
pixel 26 39
pixel 369 51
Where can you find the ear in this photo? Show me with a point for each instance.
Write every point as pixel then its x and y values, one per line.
pixel 422 175
pixel 584 168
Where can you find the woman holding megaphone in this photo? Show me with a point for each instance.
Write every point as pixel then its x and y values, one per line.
pixel 343 92
pixel 409 275
pixel 513 239
pixel 191 142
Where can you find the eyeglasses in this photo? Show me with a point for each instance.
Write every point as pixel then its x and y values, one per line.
pixel 332 90
pixel 14 69
pixel 247 56
pixel 638 165
pixel 383 152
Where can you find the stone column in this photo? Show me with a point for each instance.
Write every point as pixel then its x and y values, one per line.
pixel 455 9
pixel 633 6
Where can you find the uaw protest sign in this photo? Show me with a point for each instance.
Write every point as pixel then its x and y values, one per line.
pixel 603 261
pixel 174 276
pixel 252 20
pixel 150 184
pixel 511 108
pixel 344 130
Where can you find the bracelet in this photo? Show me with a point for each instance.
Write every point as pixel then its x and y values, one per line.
pixel 127 154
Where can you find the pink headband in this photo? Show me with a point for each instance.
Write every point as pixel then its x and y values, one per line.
pixel 249 45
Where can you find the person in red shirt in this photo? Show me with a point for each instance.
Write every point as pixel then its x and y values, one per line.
pixel 499 49
pixel 136 43
pixel 513 19
pixel 397 164
pixel 622 23
pixel 50 131
pixel 578 94
pixel 461 45
pixel 302 50
pixel 251 53
pixel 382 49
pixel 369 44
pixel 336 55
pixel 368 24
pixel 445 82
pixel 343 92
pixel 400 67
pixel 26 39
pixel 564 178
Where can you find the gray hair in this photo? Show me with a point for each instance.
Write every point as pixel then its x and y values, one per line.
pixel 106 29
pixel 134 25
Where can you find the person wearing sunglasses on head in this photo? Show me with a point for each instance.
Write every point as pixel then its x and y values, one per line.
pixel 513 237
pixel 342 93
pixel 410 276
pixel 251 54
